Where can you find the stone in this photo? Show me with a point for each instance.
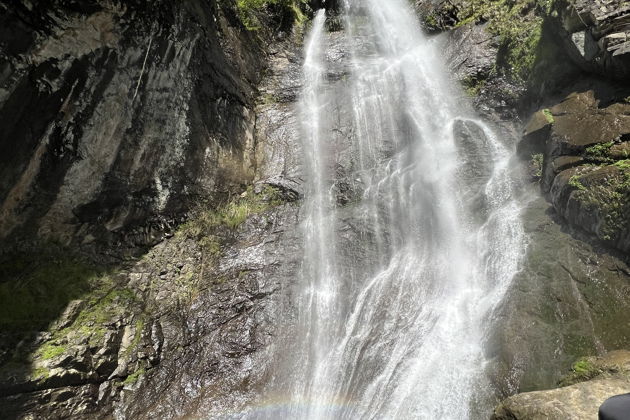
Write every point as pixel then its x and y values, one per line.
pixel 583 139
pixel 576 402
pixel 580 401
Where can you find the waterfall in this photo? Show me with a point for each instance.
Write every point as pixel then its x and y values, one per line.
pixel 400 277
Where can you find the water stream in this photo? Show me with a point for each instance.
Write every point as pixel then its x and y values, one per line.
pixel 400 279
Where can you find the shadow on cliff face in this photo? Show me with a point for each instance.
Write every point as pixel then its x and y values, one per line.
pixel 79 339
pixel 68 323
pixel 46 296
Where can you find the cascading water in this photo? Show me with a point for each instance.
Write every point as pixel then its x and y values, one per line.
pixel 394 326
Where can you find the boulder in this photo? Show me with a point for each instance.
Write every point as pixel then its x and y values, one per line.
pixel 610 376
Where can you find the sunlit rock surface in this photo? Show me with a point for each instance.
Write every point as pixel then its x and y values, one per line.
pixel 598 379
pixel 117 116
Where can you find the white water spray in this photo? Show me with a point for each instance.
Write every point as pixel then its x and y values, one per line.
pixel 394 326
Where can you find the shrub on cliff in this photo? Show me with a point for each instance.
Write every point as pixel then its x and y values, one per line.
pixel 516 23
pixel 283 12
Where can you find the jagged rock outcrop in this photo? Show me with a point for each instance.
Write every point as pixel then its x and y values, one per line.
pixel 599 35
pixel 585 140
pixel 582 135
pixel 151 338
pixel 117 116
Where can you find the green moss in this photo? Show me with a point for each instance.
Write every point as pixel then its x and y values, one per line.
pixel 133 346
pixel 93 320
pixel 611 200
pixel 211 245
pixel 36 288
pixel 582 370
pixel 624 165
pixel 583 366
pixel 134 377
pixel 599 152
pixel 575 182
pixel 267 99
pixel 537 164
pixel 103 306
pixel 473 86
pixel 430 20
pixel 50 350
pixel 230 215
pixel 466 21
pixel 249 11
pixel 40 374
pixel 549 116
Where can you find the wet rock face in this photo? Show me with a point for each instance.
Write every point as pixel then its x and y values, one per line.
pixel 570 299
pixel 471 54
pixel 188 329
pixel 184 331
pixel 117 115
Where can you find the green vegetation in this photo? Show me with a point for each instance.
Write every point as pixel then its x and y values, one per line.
pixel 133 378
pixel 610 198
pixel 233 213
pixel 517 23
pixel 136 337
pixel 549 116
pixel 582 370
pixel 599 152
pixel 104 304
pixel 267 99
pixel 583 366
pixel 617 210
pixel 50 350
pixel 473 86
pixel 624 165
pixel 249 11
pixel 36 288
pixel 537 164
pixel 35 292
pixel 431 21
pixel 574 181
pixel 40 374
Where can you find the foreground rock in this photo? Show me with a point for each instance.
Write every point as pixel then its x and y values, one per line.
pixel 610 376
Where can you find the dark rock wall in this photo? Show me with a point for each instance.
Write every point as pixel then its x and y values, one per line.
pixel 116 116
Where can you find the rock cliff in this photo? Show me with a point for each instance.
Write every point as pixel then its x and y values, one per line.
pixel 149 180
pixel 117 116
pixel 561 67
pixel 119 122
